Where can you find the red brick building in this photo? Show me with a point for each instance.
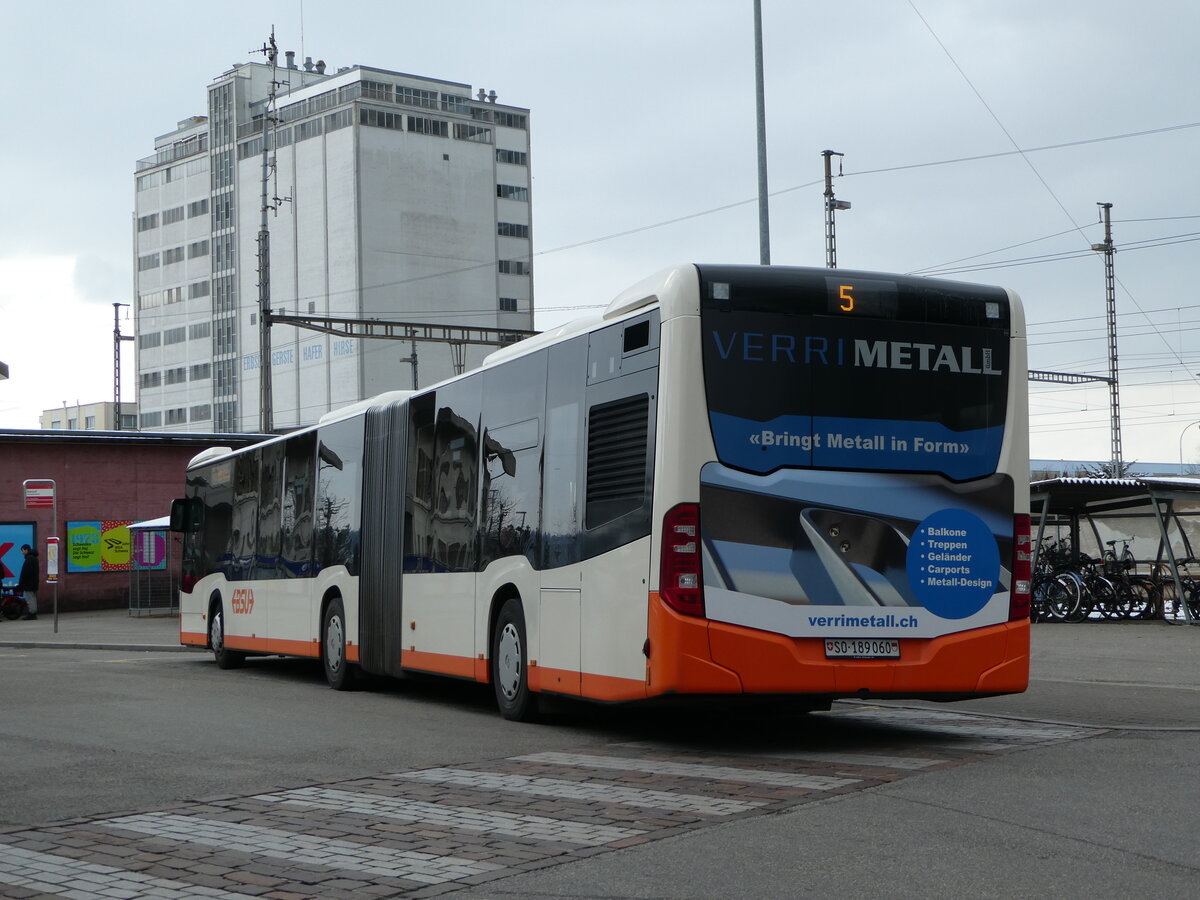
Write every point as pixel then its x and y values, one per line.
pixel 101 477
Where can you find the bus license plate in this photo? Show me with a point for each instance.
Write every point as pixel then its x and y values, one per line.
pixel 862 648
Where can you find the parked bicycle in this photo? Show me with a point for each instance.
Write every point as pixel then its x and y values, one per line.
pixel 12 604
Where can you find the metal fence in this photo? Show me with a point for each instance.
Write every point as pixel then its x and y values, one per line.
pixel 153 569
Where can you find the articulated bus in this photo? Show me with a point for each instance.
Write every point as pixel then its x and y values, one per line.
pixel 802 484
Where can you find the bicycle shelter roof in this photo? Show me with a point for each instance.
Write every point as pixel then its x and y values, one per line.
pixel 1074 496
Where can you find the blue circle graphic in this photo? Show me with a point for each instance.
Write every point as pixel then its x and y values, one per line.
pixel 953 563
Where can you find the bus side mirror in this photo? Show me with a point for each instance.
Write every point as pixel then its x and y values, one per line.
pixel 186 514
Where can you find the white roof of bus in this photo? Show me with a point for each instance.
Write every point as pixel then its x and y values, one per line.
pixel 662 287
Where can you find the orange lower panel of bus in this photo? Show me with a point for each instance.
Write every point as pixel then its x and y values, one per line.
pixel 696 656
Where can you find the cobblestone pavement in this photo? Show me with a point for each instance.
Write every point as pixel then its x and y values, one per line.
pixel 431 831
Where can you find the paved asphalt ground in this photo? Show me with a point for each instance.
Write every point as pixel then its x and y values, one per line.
pixel 1083 787
pixel 1103 674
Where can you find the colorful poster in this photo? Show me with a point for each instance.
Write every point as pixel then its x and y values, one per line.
pixel 149 549
pixel 13 535
pixel 98 546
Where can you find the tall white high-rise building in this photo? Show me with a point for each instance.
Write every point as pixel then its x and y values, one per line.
pixel 390 196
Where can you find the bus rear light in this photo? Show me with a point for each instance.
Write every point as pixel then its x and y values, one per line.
pixel 187 583
pixel 1022 569
pixel 680 583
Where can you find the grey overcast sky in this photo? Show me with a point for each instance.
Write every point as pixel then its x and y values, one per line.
pixel 978 138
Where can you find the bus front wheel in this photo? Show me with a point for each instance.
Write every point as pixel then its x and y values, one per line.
pixel 338 671
pixel 225 658
pixel 510 660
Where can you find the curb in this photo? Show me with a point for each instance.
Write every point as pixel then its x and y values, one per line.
pixel 94 645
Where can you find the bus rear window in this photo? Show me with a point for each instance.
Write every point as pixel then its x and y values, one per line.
pixel 856 372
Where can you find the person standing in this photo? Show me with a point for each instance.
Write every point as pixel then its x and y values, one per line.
pixel 29 579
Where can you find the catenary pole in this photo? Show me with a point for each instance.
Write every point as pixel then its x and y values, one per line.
pixel 764 225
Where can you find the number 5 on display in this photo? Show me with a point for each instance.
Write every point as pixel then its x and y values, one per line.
pixel 846 296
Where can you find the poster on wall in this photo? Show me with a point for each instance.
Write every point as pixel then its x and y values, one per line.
pixel 98 546
pixel 149 550
pixel 14 535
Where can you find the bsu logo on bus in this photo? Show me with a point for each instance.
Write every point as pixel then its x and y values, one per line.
pixel 243 601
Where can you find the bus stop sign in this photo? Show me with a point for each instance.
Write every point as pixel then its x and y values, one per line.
pixel 39 494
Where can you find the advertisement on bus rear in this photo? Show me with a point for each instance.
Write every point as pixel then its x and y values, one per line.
pixel 858 423
pixel 855 554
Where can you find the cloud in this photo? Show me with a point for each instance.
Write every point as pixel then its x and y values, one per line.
pixel 97 280
pixel 57 343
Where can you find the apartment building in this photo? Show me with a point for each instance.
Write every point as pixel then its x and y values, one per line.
pixel 388 196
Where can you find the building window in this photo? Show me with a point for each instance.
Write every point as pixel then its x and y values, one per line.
pixel 149 341
pixel 224 293
pixel 199 330
pixel 455 104
pixel 150 301
pixel 174 255
pixel 175 335
pixel 250 148
pixel 514 267
pixel 171 216
pixel 89 422
pixel 151 420
pixel 421 125
pixel 149 261
pixel 199 248
pixel 222 211
pixel 226 377
pixel 200 413
pixel 508 304
pixel 151 379
pixel 176 416
pixel 512 192
pixel 222 250
pixel 380 119
pixel 145 223
pixel 197 208
pixel 173 295
pixel 57 423
pixel 145 182
pixel 220 114
pixel 512 157
pixel 175 376
pixel 475 133
pixel 198 289
pixel 128 421
pixel 512 229
pixel 510 120
pixel 411 96
pixel 201 372
pixel 224 336
pixel 309 129
pixel 322 102
pixel 343 118
pixel 377 90
pixel 222 169
pixel 72 424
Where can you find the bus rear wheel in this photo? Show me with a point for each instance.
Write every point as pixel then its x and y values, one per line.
pixel 225 658
pixel 510 675
pixel 338 671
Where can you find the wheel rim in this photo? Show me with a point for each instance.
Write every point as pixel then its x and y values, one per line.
pixel 334 643
pixel 216 633
pixel 508 661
